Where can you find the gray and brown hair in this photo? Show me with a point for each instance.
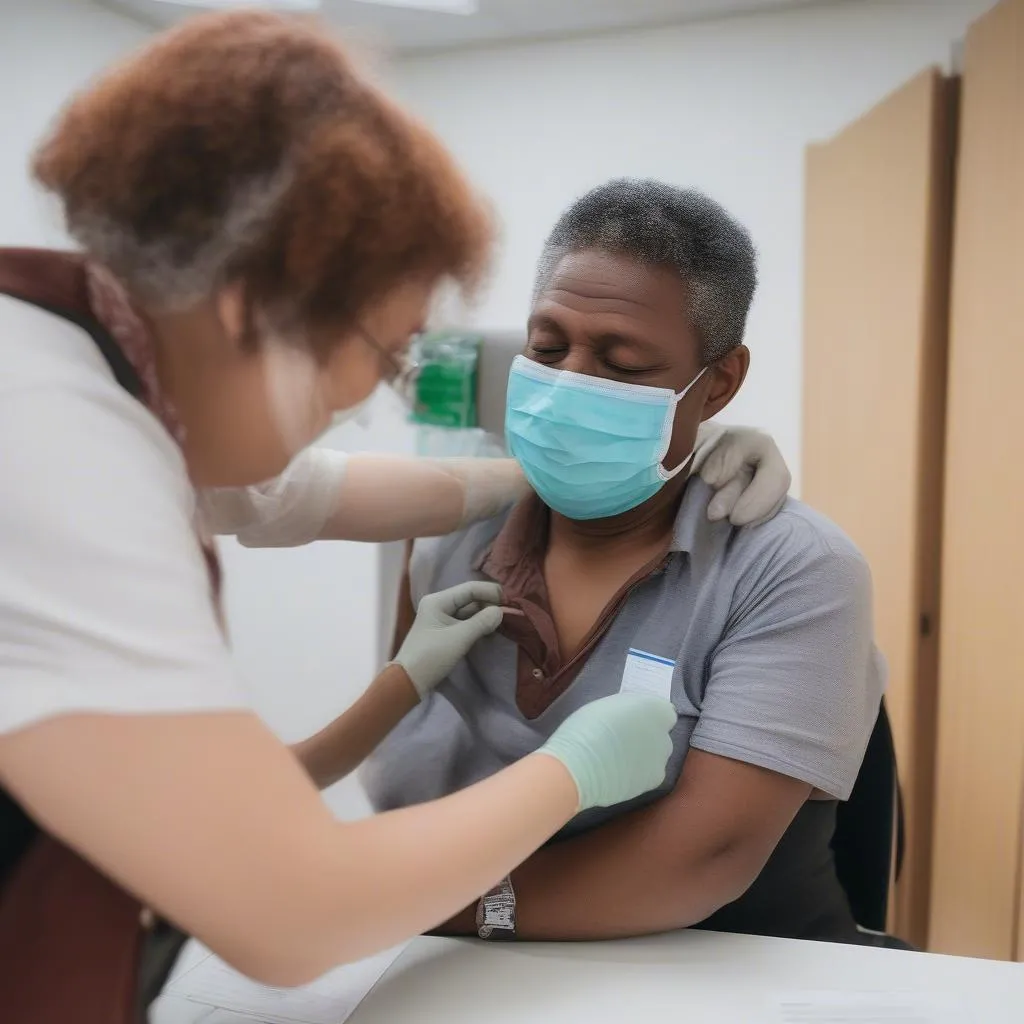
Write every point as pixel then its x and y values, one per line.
pixel 246 147
pixel 661 225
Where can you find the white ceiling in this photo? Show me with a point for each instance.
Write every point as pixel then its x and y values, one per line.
pixel 496 20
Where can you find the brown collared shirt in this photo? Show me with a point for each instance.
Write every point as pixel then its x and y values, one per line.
pixel 516 561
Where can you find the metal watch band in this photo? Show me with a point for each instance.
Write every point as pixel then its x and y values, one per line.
pixel 496 912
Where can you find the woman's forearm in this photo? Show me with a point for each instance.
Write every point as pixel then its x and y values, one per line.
pixel 342 746
pixel 422 863
pixel 388 498
pixel 209 820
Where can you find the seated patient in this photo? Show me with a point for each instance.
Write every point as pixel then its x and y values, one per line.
pixel 761 636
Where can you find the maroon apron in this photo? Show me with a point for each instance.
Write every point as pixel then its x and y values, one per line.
pixel 74 947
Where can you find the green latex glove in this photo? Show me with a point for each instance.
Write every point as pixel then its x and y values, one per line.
pixel 447 625
pixel 615 748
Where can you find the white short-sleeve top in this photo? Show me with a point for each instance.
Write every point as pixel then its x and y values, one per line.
pixel 105 601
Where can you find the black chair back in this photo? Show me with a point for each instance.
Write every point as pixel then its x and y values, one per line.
pixel 863 841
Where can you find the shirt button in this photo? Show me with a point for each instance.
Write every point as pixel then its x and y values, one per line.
pixel 537 674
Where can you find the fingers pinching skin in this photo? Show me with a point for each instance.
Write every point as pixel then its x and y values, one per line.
pixel 447 625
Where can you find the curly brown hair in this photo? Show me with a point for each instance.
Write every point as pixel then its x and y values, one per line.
pixel 245 147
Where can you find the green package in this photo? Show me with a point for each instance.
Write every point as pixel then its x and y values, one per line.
pixel 447 382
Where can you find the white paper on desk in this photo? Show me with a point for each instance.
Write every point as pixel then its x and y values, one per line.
pixel 329 1000
pixel 218 1016
pixel 862 1008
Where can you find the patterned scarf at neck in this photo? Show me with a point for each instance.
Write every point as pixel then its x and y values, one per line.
pixel 112 307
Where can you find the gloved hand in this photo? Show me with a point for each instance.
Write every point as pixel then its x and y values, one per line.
pixel 615 748
pixel 746 469
pixel 447 625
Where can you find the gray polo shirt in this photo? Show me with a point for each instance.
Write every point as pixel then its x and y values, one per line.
pixel 761 636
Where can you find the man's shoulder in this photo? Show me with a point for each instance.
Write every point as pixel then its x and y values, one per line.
pixel 798 543
pixel 459 552
pixel 801 528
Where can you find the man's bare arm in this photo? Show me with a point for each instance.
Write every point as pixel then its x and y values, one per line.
pixel 405 613
pixel 667 866
pixel 340 747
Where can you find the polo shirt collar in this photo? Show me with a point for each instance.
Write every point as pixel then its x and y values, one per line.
pixel 523 536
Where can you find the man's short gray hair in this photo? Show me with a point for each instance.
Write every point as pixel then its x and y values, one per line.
pixel 660 225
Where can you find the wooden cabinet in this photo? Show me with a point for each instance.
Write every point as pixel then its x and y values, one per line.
pixel 875 323
pixel 976 901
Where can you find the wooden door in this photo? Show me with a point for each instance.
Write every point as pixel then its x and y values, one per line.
pixel 975 891
pixel 875 324
pixel 1020 886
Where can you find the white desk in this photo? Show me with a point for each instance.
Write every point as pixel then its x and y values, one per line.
pixel 689 977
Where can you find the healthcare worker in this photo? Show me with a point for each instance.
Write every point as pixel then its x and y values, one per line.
pixel 261 232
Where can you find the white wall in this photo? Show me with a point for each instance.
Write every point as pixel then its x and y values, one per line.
pixel 48 48
pixel 305 622
pixel 727 107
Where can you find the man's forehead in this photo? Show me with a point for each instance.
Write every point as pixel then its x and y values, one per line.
pixel 609 279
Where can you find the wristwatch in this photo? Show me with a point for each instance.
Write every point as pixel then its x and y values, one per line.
pixel 496 912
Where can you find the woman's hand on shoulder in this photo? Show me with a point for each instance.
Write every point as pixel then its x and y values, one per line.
pixel 747 472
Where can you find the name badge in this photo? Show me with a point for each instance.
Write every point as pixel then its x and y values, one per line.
pixel 647 673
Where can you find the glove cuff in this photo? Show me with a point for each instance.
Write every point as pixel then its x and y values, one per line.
pixel 421 692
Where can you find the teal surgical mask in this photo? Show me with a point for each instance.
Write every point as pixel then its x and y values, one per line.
pixel 590 447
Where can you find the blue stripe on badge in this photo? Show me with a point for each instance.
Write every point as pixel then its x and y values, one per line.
pixel 650 657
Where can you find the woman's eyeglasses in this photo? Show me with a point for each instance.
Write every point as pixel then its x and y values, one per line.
pixel 400 371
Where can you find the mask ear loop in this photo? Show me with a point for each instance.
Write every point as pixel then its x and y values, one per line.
pixel 670 420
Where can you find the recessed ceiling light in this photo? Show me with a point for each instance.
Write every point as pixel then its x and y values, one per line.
pixel 440 6
pixel 273 5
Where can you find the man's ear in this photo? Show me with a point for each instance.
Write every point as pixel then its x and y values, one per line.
pixel 727 376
